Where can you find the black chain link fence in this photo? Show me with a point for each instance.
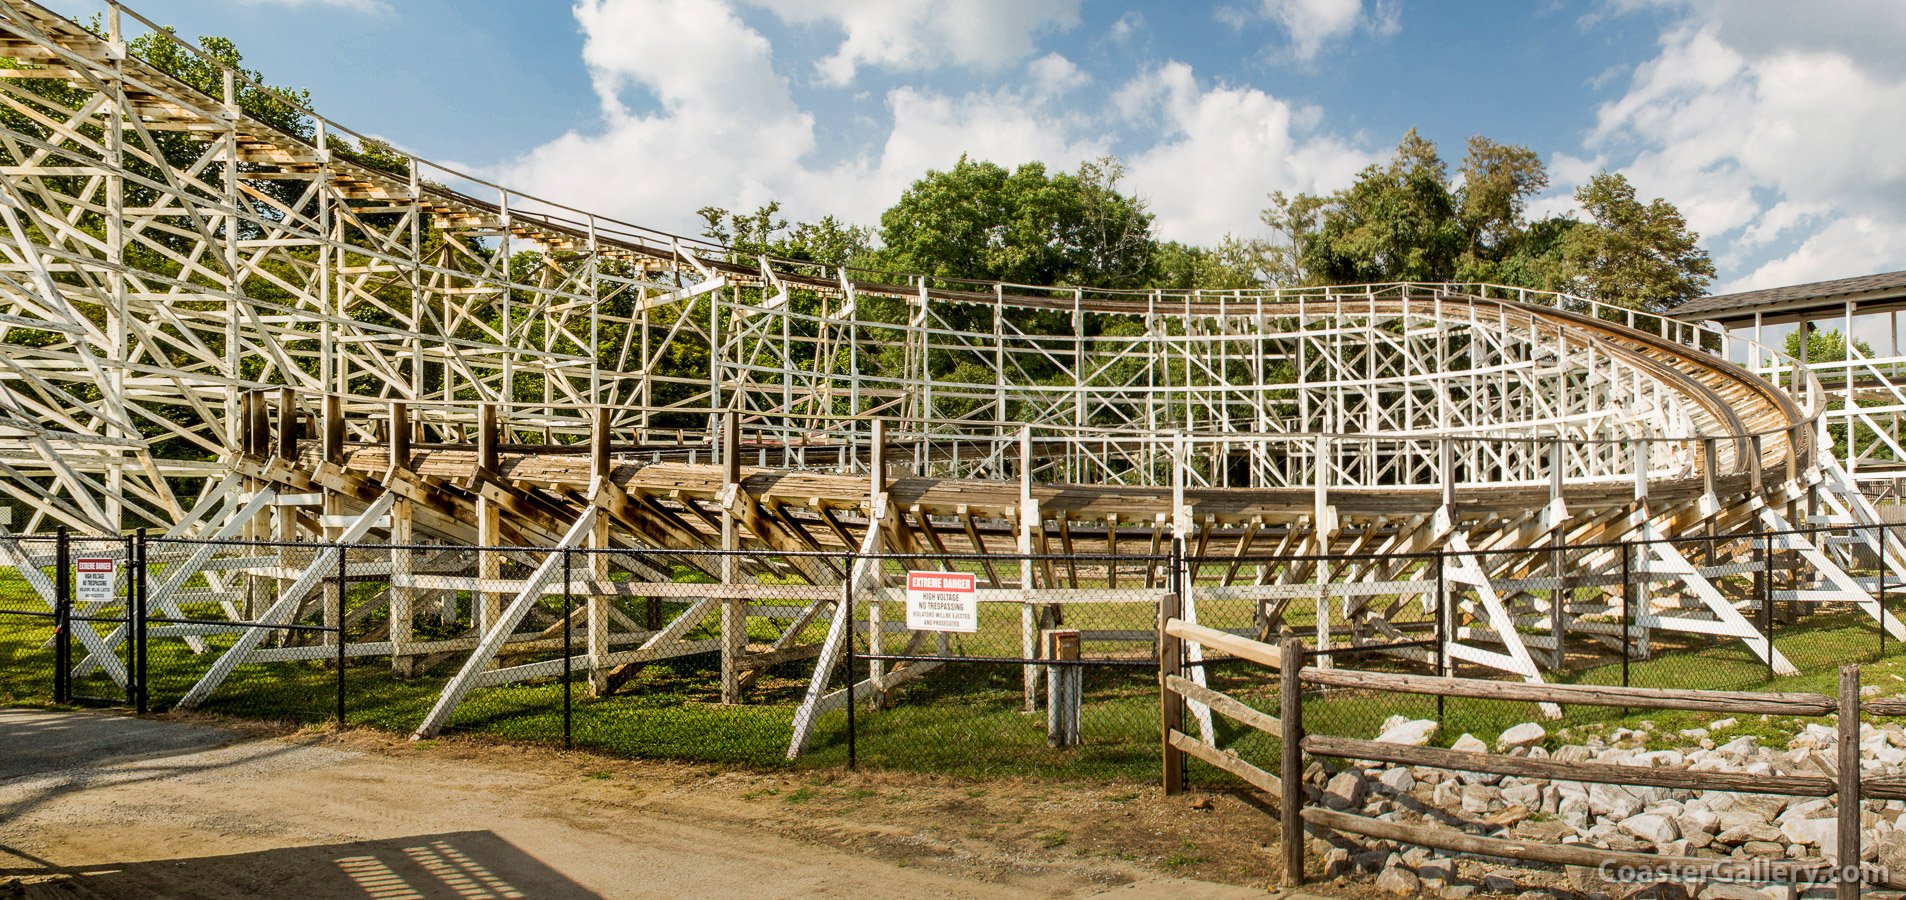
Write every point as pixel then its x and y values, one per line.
pixel 1046 665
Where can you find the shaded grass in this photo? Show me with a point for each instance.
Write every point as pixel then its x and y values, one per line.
pixel 966 719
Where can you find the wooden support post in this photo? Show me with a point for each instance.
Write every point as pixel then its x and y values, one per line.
pixel 399 436
pixel 251 441
pixel 287 424
pixel 599 624
pixel 877 457
pixel 402 595
pixel 333 597
pixel 334 429
pixel 1171 704
pixel 734 618
pixel 876 612
pixel 1290 802
pixel 1849 807
pixel 1030 518
pixel 1062 688
pixel 487 434
pixel 485 603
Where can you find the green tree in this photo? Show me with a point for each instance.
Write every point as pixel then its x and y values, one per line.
pixel 1235 263
pixel 1824 346
pixel 1406 220
pixel 1396 222
pixel 828 241
pixel 978 220
pixel 1641 256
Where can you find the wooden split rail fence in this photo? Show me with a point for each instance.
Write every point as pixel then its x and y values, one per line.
pixel 1179 691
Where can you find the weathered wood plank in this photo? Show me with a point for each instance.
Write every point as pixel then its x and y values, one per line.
pixel 1737 702
pixel 1224 703
pixel 1228 761
pixel 1556 770
pixel 1562 854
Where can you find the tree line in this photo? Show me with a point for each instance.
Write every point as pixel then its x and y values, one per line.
pixel 1405 219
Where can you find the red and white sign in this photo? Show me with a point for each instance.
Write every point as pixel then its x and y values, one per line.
pixel 942 601
pixel 96 580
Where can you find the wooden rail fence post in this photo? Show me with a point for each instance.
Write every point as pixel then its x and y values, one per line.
pixel 1171 704
pixel 1290 801
pixel 1847 832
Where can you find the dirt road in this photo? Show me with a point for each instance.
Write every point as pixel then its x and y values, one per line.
pixel 94 805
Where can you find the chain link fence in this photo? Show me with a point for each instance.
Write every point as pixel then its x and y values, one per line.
pixel 1031 665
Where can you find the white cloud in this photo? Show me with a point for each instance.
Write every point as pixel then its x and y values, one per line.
pixel 1314 24
pixel 1127 27
pixel 1775 135
pixel 1224 149
pixel 677 134
pixel 726 134
pixel 1053 75
pixel 913 35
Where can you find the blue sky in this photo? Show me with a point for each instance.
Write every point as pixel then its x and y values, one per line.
pixel 1778 132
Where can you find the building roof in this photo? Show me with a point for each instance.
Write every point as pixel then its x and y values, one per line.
pixel 1792 297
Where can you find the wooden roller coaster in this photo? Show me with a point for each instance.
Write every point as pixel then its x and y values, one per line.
pixel 271 344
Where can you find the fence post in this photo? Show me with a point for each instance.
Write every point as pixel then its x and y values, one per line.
pixel 1171 705
pixel 1442 629
pixel 569 629
pixel 847 605
pixel 1290 800
pixel 62 616
pixel 136 609
pixel 1767 596
pixel 1627 605
pixel 344 551
pixel 1847 833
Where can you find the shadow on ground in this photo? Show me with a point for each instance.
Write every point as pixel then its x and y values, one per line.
pixel 465 865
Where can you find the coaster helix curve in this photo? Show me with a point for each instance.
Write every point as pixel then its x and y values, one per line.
pixel 221 329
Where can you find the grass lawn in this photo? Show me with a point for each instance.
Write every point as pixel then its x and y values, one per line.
pixel 965 719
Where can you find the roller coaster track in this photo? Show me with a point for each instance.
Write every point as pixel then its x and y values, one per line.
pixel 218 329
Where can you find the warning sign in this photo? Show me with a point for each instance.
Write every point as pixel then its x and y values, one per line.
pixel 96 577
pixel 942 601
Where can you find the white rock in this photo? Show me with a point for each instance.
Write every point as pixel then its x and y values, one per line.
pixel 1574 753
pixel 1889 755
pixel 1655 829
pixel 1479 798
pixel 1667 759
pixel 1414 733
pixel 1692 820
pixel 1612 800
pixel 1574 811
pixel 1529 795
pixel 1345 790
pixel 1397 780
pixel 1522 735
pixel 1806 809
pixel 1469 743
pixel 1399 881
pixel 1393 721
pixel 1814 832
pixel 1719 724
pixel 1718 801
